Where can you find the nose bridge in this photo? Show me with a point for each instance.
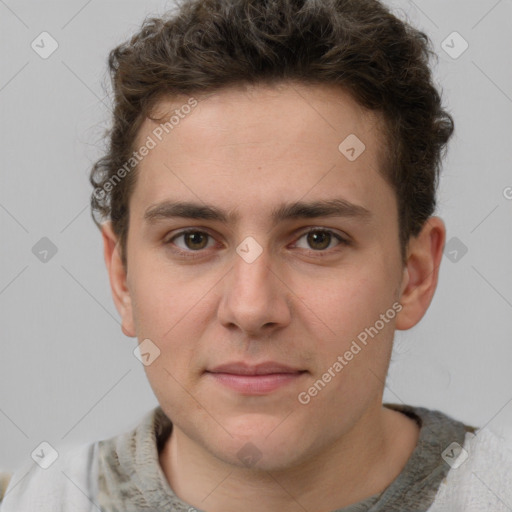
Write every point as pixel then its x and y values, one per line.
pixel 251 273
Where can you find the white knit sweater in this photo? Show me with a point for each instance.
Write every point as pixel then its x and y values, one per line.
pixel 482 483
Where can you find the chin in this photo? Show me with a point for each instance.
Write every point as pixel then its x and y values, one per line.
pixel 266 449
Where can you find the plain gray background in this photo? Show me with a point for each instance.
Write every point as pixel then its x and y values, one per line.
pixel 67 373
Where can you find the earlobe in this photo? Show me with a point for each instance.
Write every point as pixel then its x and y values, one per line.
pixel 118 278
pixel 421 273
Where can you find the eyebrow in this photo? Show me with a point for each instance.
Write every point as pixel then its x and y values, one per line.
pixel 296 210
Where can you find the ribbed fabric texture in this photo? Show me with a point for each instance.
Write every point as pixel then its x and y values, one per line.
pixel 123 474
pixel 131 478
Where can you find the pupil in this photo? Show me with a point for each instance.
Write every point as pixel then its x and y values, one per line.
pixel 195 238
pixel 318 237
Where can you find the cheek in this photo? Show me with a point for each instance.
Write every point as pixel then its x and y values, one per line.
pixel 171 310
pixel 161 298
pixel 352 328
pixel 152 304
pixel 353 357
pixel 349 301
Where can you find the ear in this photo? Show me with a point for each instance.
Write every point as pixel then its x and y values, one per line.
pixel 421 273
pixel 118 278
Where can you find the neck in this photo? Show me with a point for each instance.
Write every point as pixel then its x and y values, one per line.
pixel 362 463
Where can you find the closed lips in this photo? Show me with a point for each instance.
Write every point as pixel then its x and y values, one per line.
pixel 269 368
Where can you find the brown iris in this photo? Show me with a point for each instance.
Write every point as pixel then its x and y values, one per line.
pixel 319 240
pixel 195 239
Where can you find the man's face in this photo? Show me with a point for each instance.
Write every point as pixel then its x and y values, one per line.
pixel 253 290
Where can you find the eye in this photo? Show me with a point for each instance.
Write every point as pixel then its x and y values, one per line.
pixel 192 240
pixel 321 239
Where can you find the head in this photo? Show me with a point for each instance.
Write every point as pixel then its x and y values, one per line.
pixel 264 120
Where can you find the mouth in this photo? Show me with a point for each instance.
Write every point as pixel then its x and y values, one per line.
pixel 258 379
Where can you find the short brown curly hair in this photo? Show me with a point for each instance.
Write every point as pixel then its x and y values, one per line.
pixel 205 45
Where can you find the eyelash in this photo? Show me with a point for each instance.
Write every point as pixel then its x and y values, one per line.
pixel 191 254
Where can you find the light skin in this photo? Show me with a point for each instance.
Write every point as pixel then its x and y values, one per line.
pixel 301 302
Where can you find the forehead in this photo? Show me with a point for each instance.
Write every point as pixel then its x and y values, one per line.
pixel 262 142
pixel 242 111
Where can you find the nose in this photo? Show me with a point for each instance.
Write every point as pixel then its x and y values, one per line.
pixel 255 299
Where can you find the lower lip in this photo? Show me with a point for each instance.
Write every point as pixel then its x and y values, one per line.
pixel 255 384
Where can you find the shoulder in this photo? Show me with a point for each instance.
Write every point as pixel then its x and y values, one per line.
pixel 70 480
pixel 4 482
pixel 480 477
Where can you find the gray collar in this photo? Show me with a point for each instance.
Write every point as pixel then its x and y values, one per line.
pixel 131 479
